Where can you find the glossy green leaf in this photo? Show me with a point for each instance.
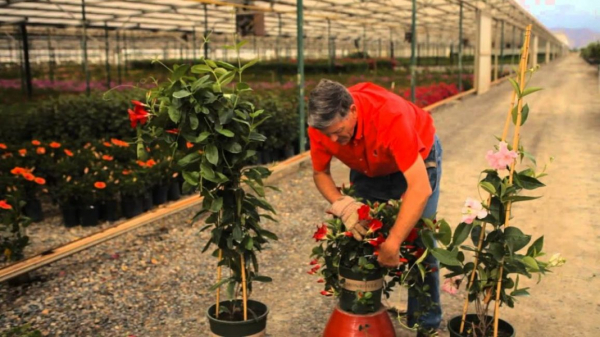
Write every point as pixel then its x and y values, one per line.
pixel 212 154
pixel 181 94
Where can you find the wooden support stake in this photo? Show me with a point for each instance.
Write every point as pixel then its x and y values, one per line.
pixel 219 280
pixel 244 294
pixel 522 70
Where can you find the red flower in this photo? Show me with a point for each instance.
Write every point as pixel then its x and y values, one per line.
pixel 419 252
pixel 377 241
pixel 5 205
pixel 54 145
pixel 22 152
pixel 412 236
pixel 189 145
pixel 36 142
pixel 19 170
pixel 126 172
pixel 28 176
pixel 40 150
pixel 320 280
pixel 348 234
pixel 40 181
pixel 107 144
pixel 99 185
pixel 119 142
pixel 403 260
pixel 321 233
pixel 375 225
pixel 3 146
pixel 107 157
pixel 138 114
pixel 173 131
pixel 68 153
pixel 313 262
pixel 363 212
pixel 326 293
pixel 150 162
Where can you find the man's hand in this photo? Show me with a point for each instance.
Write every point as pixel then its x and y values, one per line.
pixel 389 253
pixel 346 208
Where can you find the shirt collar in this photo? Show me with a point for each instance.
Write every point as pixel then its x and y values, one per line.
pixel 359 122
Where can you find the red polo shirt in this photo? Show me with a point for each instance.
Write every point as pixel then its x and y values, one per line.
pixel 390 133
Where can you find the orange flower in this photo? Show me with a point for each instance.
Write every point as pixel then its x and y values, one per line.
pixel 28 176
pixel 107 144
pixel 22 152
pixel 126 172
pixel 99 185
pixel 40 150
pixel 107 157
pixel 68 153
pixel 54 145
pixel 119 142
pixel 5 205
pixel 141 163
pixel 3 146
pixel 40 181
pixel 189 145
pixel 150 163
pixel 36 142
pixel 18 170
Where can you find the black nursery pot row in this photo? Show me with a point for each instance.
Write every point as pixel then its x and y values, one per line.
pixel 75 213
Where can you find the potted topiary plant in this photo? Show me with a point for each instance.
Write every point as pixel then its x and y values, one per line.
pixel 350 271
pixel 492 277
pixel 200 108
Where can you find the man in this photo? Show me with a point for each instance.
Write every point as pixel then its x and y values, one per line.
pixel 392 150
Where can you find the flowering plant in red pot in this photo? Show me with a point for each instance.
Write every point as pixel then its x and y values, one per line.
pixel 200 106
pixel 348 267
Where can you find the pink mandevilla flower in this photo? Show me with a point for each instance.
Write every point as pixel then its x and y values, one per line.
pixel 501 159
pixel 473 209
pixel 450 286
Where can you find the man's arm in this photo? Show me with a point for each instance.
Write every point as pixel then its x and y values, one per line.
pixel 413 204
pixel 326 185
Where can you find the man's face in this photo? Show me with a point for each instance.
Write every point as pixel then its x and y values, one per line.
pixel 341 130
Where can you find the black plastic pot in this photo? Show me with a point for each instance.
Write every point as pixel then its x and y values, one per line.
pixel 505 329
pixel 255 326
pixel 109 210
pixel 147 201
pixel 33 210
pixel 89 215
pixel 174 191
pixel 70 214
pixel 353 282
pixel 131 206
pixel 159 194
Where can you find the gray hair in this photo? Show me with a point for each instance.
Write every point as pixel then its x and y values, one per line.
pixel 328 101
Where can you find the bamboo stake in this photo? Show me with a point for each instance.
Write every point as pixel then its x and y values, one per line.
pixel 219 280
pixel 482 234
pixel 244 295
pixel 524 58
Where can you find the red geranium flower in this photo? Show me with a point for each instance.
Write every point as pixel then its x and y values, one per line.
pixel 68 153
pixel 28 176
pixel 138 114
pixel 5 205
pixel 99 185
pixel 377 241
pixel 412 236
pixel 321 233
pixel 363 212
pixel 35 142
pixel 375 225
pixel 40 181
pixel 22 152
pixel 40 150
pixel 55 145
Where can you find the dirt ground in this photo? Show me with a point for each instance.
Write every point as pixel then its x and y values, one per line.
pixel 154 281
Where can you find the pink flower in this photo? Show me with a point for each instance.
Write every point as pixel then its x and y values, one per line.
pixel 451 285
pixel 501 159
pixel 473 209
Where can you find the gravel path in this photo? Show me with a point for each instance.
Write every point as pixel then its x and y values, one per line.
pixel 154 281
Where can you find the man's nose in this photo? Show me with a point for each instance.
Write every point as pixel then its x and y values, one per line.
pixel 334 138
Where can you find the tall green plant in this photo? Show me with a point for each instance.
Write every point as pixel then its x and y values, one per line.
pixel 198 111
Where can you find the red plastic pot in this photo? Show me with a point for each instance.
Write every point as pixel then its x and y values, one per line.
pixel 345 324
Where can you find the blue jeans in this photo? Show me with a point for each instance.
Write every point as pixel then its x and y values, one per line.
pixel 393 186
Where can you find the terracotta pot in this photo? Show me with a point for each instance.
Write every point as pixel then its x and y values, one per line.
pixel 345 324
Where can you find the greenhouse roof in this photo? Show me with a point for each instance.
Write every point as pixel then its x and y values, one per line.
pixel 438 19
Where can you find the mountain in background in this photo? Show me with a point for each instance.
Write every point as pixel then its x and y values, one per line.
pixel 578 37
